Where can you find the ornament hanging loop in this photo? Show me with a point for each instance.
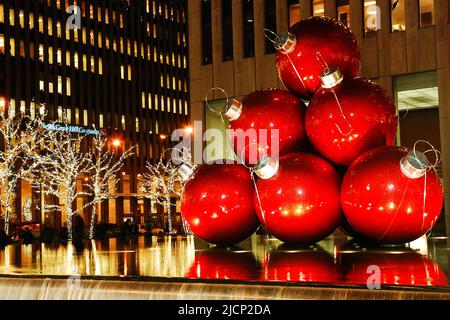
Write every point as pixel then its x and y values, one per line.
pixel 272 37
pixel 210 107
pixel 432 150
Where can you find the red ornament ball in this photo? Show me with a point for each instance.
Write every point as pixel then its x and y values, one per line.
pixel 217 203
pixel 311 265
pixel 385 199
pixel 221 264
pixel 264 113
pixel 405 268
pixel 353 117
pixel 309 47
pixel 301 201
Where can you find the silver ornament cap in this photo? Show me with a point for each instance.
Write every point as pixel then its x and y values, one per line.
pixel 186 170
pixel 285 42
pixel 331 77
pixel 414 165
pixel 267 168
pixel 234 110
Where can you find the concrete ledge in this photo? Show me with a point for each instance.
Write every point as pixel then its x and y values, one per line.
pixel 93 289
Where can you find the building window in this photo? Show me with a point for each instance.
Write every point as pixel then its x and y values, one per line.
pixel 249 30
pixel 2 43
pixel 426 11
pixel 397 15
pixel 294 12
pixel 318 8
pixel 227 30
pixel 372 17
pixel 417 98
pixel 206 32
pixel 343 12
pixel 270 22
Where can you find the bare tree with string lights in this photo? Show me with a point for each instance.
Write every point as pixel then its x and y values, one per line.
pixel 16 132
pixel 162 182
pixel 105 166
pixel 58 165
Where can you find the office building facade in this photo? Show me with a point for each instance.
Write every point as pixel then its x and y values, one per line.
pixel 121 66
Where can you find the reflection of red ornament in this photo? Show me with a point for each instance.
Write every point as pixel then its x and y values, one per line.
pixel 310 45
pixel 313 266
pixel 217 203
pixel 383 195
pixel 301 201
pixel 405 268
pixel 255 120
pixel 223 264
pixel 353 116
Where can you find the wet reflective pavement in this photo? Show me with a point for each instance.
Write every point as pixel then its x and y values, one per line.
pixel 335 261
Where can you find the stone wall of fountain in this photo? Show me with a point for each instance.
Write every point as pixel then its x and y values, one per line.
pixel 93 289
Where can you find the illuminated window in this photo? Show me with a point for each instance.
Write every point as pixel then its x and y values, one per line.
pixel 122 72
pixel 85 118
pixel 137 124
pixel 32 110
pixel 123 122
pixel 318 8
pixel 100 66
pixel 83 35
pixel 129 47
pixel 75 60
pixel 68 87
pixel 12 47
pixel 41 24
pixel 58 57
pixel 77 116
pixel 60 85
pixel 2 43
pixel 41 52
pixel 100 121
pixel 50 55
pixel 91 11
pixel 85 63
pixel 397 15
pixel 2 14
pixel 50 27
pixel 426 11
pixel 58 29
pixel 11 17
pixel 372 16
pixel 31 23
pixel 60 114
pixel 92 64
pixel 21 19
pixel 129 73
pixel 343 12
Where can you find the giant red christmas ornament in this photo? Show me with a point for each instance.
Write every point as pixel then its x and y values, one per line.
pixel 300 265
pixel 348 117
pixel 389 195
pixel 217 202
pixel 269 121
pixel 311 45
pixel 221 264
pixel 299 198
pixel 405 268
